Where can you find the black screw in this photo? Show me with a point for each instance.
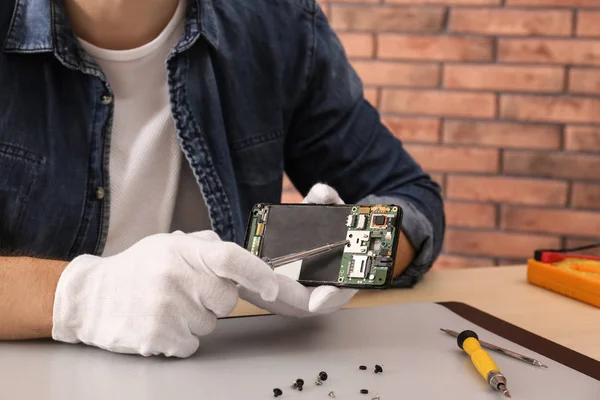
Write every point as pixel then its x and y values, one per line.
pixel 364 391
pixel 323 375
pixel 362 367
pixel 378 369
pixel 298 383
pixel 277 392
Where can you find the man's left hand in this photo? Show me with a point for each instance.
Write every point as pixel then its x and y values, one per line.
pixel 295 299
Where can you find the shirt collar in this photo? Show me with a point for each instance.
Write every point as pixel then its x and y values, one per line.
pixel 42 26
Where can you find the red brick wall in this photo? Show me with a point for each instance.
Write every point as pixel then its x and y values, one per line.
pixel 500 101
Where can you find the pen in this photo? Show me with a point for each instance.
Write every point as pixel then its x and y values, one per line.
pixel 499 349
pixel 469 342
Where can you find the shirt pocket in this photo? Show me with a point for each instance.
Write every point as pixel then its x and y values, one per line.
pixel 258 160
pixel 19 169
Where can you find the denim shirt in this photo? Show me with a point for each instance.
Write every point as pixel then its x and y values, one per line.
pixel 257 88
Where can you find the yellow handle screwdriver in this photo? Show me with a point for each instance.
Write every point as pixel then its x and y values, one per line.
pixel 469 342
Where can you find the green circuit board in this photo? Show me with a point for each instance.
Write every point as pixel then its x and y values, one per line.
pixel 372 234
pixel 368 259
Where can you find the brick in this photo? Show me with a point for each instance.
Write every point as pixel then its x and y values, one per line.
pixel 446 261
pixel 447 2
pixel 552 165
pixel 502 134
pixel 398 74
pixel 498 244
pixel 372 96
pixel 572 243
pixel 358 44
pixel 507 190
pixel 504 77
pixel 584 80
pixel 438 103
pixel 496 21
pixel 582 138
pixel 586 195
pixel 554 3
pixel 588 23
pixel 458 159
pixel 550 108
pixel 437 48
pixel 548 51
pixel 375 18
pixel 470 215
pixel 562 222
pixel 414 129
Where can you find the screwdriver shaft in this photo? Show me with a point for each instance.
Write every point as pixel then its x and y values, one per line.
pixel 502 350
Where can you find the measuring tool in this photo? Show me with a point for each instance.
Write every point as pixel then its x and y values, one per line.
pixel 301 255
pixel 469 342
pixel 573 275
pixel 504 351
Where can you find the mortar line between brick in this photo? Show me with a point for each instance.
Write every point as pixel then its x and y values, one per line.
pixel 567 80
pixel 569 203
pixel 446 21
pixel 375 39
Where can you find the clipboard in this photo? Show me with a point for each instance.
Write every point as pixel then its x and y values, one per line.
pixel 247 357
pixel 563 355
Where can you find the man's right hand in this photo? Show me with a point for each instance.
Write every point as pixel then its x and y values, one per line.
pixel 157 297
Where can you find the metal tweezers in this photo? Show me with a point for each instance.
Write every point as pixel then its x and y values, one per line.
pixel 301 255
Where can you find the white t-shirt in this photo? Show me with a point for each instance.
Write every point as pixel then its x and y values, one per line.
pixel 152 188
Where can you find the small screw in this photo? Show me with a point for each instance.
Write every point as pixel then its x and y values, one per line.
pixel 322 377
pixel 362 367
pixel 332 395
pixel 378 369
pixel 277 392
pixel 298 383
pixel 364 391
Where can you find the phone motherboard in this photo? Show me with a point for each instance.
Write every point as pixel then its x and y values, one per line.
pixel 366 261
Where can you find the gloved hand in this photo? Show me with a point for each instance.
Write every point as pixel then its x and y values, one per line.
pixel 157 297
pixel 295 299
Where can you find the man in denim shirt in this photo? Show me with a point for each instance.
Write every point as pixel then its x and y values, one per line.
pixel 135 136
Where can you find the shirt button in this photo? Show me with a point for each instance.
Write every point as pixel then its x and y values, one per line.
pixel 106 99
pixel 100 193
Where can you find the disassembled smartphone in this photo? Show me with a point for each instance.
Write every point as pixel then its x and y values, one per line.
pixel 367 262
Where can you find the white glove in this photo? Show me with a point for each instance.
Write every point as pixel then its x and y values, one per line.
pixel 295 299
pixel 157 297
